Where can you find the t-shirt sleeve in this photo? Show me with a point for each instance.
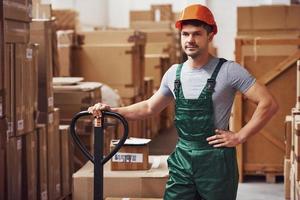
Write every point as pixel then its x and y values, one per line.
pixel 240 79
pixel 164 88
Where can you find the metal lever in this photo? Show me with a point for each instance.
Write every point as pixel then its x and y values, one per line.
pixel 98 159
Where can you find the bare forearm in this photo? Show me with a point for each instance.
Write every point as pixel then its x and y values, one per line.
pixel 136 111
pixel 263 113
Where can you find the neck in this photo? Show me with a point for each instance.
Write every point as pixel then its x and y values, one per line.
pixel 199 60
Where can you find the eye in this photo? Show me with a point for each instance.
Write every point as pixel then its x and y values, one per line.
pixel 198 33
pixel 184 34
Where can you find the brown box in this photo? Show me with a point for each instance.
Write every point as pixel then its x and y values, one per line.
pixel 41 11
pixel 66 19
pixel 9 85
pixel 149 183
pixel 130 157
pixel 114 37
pixel 142 25
pixel 16 31
pixel 42 191
pixel 25 87
pixel 155 67
pixel 67 152
pixel 2 174
pixel 162 12
pixel 31 165
pixel 263 18
pixel 15 163
pixel 18 10
pixel 53 150
pixel 41 33
pixel 141 15
pixel 72 99
pixel 124 71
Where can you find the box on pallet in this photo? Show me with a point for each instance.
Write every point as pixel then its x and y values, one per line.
pixel 67 152
pixel 41 33
pixel 42 191
pixel 132 156
pixel 147 183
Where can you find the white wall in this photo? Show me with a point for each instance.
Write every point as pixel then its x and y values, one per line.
pixel 115 13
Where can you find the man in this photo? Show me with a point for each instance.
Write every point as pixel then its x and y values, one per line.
pixel 203 164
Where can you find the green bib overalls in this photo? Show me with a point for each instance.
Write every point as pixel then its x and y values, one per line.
pixel 197 169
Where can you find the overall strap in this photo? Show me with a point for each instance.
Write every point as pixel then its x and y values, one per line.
pixel 211 82
pixel 177 83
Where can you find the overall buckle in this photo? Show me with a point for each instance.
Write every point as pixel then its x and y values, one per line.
pixel 211 84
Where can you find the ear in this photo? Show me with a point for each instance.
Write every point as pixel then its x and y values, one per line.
pixel 211 36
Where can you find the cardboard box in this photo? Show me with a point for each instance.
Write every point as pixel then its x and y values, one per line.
pixel 26 86
pixel 16 31
pixel 31 165
pixel 15 163
pixel 72 99
pixel 141 25
pixel 18 10
pixel 67 153
pixel 162 12
pixel 155 66
pixel 41 33
pixel 119 36
pixel 149 183
pixel 263 18
pixel 141 15
pixel 9 85
pixel 41 11
pixel 42 190
pixel 2 174
pixel 127 70
pixel 54 153
pixel 132 156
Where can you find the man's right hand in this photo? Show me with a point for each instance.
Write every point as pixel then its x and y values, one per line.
pixel 97 108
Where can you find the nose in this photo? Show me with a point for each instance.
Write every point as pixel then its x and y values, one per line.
pixel 190 38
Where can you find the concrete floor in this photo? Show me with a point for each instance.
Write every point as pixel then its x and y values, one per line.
pixel 254 188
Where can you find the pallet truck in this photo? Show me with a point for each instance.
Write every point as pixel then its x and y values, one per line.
pixel 98 160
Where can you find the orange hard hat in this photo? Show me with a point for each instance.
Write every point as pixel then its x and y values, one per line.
pixel 197 12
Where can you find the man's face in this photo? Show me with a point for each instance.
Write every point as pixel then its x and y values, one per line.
pixel 194 40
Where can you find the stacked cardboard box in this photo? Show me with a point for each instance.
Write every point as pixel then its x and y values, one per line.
pixel 67 167
pixel 138 184
pixel 41 32
pixel 72 99
pixel 125 74
pixel 65 42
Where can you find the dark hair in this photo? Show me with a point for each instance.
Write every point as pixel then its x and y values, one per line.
pixel 198 23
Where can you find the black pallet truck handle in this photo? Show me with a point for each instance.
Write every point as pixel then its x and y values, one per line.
pixel 98 159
